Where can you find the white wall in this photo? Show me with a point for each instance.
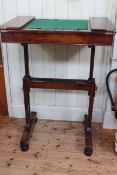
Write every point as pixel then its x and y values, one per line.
pixel 55 61
pixel 109 117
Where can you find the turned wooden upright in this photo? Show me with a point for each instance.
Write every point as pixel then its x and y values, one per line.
pixel 100 32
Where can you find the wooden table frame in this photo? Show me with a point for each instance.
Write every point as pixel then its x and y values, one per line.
pixel 100 33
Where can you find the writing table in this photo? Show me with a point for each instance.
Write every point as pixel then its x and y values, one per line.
pixel 28 30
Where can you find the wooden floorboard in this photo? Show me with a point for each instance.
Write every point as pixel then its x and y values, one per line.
pixel 56 149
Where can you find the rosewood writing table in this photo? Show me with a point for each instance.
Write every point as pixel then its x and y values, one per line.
pixel 28 30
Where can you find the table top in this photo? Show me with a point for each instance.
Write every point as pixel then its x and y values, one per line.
pixel 27 29
pixel 29 22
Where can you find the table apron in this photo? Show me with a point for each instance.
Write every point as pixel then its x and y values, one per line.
pixel 57 38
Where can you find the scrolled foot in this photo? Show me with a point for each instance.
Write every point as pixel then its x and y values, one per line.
pixel 27 133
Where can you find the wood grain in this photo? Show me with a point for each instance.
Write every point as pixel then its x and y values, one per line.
pixel 3 101
pixel 68 84
pixel 99 34
pixel 101 24
pixel 17 23
pixel 56 149
pixel 58 37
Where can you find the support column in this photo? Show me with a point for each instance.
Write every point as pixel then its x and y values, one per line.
pixel 31 117
pixel 88 118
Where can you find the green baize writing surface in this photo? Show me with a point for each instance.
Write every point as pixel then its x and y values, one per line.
pixel 58 24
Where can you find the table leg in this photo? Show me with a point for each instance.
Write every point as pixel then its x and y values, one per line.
pixel 88 118
pixel 88 128
pixel 31 117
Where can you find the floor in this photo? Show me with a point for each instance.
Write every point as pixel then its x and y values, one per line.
pixel 56 149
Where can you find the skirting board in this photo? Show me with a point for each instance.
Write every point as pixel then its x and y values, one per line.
pixel 109 121
pixel 58 113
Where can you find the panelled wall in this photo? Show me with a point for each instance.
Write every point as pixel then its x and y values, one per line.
pixel 58 61
pixel 109 117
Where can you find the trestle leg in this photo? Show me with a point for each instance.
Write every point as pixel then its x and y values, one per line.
pixel 88 150
pixel 31 117
pixel 88 128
